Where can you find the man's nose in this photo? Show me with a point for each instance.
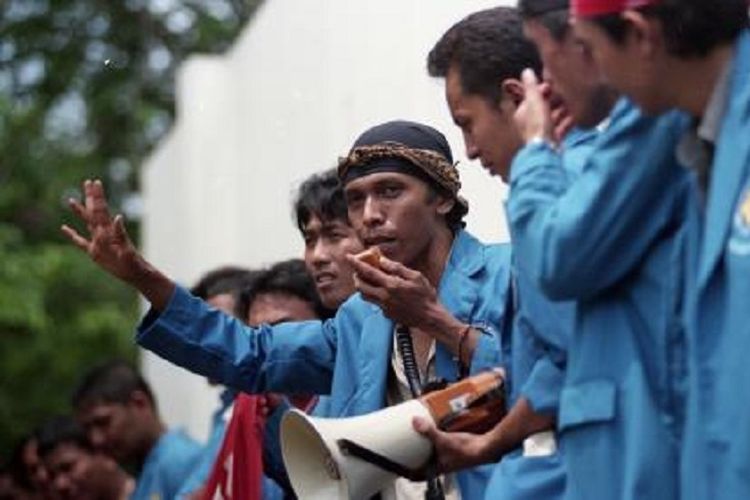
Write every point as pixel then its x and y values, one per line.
pixel 472 151
pixel 546 76
pixel 96 437
pixel 372 213
pixel 320 253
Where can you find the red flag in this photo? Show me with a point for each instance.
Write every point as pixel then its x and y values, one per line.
pixel 237 473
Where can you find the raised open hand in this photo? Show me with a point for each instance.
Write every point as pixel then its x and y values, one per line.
pixel 108 243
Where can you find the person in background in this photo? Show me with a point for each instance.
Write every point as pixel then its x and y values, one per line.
pixel 75 471
pixel 323 221
pixel 118 410
pixel 283 293
pixel 28 476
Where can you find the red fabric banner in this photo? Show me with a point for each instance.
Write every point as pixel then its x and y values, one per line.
pixel 238 471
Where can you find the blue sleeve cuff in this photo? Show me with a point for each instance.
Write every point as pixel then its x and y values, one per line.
pixel 487 351
pixel 533 156
pixel 542 388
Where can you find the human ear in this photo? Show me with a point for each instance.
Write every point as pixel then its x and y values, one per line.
pixel 643 31
pixel 139 399
pixel 445 205
pixel 512 90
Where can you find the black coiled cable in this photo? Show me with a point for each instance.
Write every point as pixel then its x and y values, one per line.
pixel 405 347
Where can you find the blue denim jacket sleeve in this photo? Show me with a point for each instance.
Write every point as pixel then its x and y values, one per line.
pixel 296 357
pixel 576 238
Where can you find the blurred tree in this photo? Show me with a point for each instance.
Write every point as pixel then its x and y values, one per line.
pixel 86 90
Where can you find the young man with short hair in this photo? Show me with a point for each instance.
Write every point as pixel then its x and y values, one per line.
pixel 481 58
pixel 695 55
pixel 118 410
pixel 75 471
pixel 401 189
pixel 322 219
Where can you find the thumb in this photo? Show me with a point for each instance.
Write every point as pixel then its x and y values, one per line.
pixel 424 427
pixel 120 231
pixel 529 79
pixel 532 90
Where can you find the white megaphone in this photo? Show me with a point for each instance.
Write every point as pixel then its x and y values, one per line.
pixel 357 457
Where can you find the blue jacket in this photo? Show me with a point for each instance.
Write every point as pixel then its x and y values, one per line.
pixel 167 466
pixel 612 240
pixel 347 356
pixel 717 434
pixel 539 338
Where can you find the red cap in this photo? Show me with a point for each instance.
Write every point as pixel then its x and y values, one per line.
pixel 590 8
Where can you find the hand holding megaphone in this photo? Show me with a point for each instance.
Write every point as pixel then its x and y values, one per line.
pixel 353 458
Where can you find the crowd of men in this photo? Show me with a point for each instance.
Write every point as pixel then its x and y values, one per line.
pixel 623 130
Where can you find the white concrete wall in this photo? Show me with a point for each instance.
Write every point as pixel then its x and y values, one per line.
pixel 304 79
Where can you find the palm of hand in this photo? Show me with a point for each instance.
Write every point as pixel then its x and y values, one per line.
pixel 108 244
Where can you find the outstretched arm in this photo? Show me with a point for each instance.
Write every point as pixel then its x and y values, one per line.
pixel 110 247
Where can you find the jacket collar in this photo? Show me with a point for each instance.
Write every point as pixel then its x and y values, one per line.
pixel 730 162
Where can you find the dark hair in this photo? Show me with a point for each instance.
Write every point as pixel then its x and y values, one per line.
pixel 227 279
pixel 60 430
pixel 322 196
pixel 16 465
pixel 556 21
pixel 288 277
pixel 111 382
pixel 487 47
pixel 692 28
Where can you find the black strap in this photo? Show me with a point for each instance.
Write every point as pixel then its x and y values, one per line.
pixel 350 448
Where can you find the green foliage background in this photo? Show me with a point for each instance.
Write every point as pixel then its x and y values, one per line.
pixel 86 90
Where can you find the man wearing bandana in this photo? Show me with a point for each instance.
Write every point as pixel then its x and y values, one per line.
pixel 434 279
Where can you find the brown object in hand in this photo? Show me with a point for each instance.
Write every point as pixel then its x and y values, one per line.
pixel 370 256
pixel 475 404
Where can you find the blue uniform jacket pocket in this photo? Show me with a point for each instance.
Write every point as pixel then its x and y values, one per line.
pixel 587 403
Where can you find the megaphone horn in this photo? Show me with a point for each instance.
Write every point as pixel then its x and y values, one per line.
pixel 357 457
